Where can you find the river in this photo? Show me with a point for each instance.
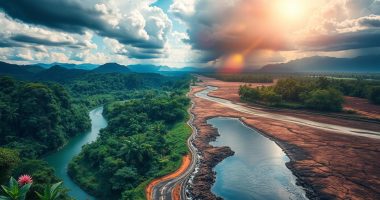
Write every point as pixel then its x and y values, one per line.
pixel 257 170
pixel 59 160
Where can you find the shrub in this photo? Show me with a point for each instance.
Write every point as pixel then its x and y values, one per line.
pixel 324 100
pixel 374 95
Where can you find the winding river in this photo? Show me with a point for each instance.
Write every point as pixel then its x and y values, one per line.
pixel 59 160
pixel 257 170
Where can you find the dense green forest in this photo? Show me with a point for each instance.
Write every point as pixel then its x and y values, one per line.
pixel 96 89
pixel 145 138
pixel 39 117
pixel 320 93
pixel 35 118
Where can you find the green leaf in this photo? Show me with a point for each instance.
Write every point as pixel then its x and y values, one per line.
pixel 39 195
pixel 5 198
pixel 24 189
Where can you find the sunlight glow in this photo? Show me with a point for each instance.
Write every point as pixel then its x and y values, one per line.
pixel 290 10
pixel 233 63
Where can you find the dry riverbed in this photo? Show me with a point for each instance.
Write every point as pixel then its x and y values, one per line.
pixel 329 165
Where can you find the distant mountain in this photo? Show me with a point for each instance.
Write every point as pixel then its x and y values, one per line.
pixel 84 66
pixel 58 73
pixel 19 71
pixel 144 68
pixel 111 68
pixel 33 68
pixel 197 69
pixel 166 69
pixel 362 64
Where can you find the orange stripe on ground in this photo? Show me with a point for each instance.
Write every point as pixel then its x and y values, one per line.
pixel 186 160
pixel 176 193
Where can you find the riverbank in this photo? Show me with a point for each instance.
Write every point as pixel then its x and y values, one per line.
pixel 328 164
pixel 186 160
pixel 60 159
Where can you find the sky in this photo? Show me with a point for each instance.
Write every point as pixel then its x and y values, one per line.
pixel 179 33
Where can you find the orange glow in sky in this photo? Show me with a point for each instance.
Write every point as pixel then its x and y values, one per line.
pixel 233 64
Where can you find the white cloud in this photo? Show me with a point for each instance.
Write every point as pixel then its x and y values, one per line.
pixel 182 9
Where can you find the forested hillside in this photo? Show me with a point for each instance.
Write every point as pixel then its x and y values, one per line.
pixel 145 138
pixel 39 117
pixel 36 118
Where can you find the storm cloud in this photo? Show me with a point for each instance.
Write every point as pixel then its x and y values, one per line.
pixel 134 24
pixel 225 27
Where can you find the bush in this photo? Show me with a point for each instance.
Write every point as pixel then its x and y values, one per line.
pixel 249 94
pixel 374 95
pixel 324 100
pixel 9 160
pixel 271 97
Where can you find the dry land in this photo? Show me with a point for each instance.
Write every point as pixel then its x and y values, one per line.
pixel 329 165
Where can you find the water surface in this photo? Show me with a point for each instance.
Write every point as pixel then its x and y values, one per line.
pixel 59 160
pixel 257 170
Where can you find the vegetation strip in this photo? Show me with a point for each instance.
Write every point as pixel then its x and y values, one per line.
pixel 186 160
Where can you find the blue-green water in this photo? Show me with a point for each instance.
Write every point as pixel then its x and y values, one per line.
pixel 59 160
pixel 257 169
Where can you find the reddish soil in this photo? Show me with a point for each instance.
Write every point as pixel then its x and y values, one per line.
pixel 327 164
pixel 176 193
pixel 362 106
pixel 229 91
pixel 186 160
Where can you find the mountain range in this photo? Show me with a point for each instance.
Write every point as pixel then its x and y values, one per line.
pixel 85 66
pixel 317 64
pixel 63 71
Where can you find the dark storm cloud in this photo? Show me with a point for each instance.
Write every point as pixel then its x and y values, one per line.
pixel 370 21
pixel 139 53
pixel 76 16
pixel 4 42
pixel 226 27
pixel 34 40
pixel 69 16
pixel 344 41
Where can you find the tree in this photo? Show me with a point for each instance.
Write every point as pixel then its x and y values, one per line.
pixel 249 94
pixel 270 97
pixel 324 100
pixel 9 160
pixel 374 95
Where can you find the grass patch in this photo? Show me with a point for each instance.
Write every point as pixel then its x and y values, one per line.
pixel 177 137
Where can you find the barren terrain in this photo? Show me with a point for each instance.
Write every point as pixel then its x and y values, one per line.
pixel 329 165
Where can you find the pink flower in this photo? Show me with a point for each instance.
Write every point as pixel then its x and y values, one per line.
pixel 24 179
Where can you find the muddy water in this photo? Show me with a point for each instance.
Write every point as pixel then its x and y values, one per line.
pixel 257 170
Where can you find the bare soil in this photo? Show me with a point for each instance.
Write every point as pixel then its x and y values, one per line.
pixel 329 165
pixel 362 106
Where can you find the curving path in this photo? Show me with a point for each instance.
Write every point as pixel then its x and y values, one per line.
pixel 164 189
pixel 318 125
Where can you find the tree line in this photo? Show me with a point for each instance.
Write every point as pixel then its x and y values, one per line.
pixel 321 93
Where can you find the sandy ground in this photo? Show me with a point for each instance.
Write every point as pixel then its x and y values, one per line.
pixel 186 160
pixel 327 164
